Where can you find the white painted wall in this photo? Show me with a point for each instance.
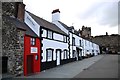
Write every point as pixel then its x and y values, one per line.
pixel 56 16
pixel 54 45
pixel 60 26
pixel 57 37
pixel 32 23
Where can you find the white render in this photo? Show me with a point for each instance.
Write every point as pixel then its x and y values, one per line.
pixel 57 37
pixel 60 26
pixel 32 23
pixel 54 45
pixel 56 16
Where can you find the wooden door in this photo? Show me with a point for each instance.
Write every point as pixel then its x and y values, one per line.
pixel 29 64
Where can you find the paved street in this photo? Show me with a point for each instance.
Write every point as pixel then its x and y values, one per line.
pixel 101 66
pixel 107 67
pixel 68 70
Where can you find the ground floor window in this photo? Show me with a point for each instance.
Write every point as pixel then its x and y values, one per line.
pixel 49 54
pixel 73 53
pixel 65 56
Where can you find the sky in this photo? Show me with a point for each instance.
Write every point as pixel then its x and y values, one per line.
pixel 100 15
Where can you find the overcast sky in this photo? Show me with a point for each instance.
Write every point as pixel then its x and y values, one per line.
pixel 100 15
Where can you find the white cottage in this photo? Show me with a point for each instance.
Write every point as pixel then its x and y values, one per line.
pixel 54 49
pixel 74 39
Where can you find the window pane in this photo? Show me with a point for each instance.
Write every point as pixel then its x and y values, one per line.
pixel 32 41
pixel 50 34
pixel 49 55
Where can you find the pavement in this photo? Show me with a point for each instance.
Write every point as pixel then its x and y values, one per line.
pixel 68 70
pixel 100 66
pixel 107 67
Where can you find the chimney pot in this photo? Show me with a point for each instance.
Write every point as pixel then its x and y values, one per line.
pixel 56 10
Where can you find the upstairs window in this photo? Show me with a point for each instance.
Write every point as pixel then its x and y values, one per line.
pixel 32 40
pixel 49 34
pixel 64 38
pixel 80 42
pixel 73 41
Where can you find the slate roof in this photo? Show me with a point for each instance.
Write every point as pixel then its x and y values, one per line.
pixel 44 23
pixel 69 28
pixel 21 25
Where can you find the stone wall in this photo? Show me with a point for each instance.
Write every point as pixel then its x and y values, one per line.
pixel 110 41
pixel 13 47
pixel 86 31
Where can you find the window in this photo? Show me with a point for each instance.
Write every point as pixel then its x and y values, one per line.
pixel 73 41
pixel 65 38
pixel 49 34
pixel 49 54
pixel 80 42
pixel 92 44
pixel 32 41
pixel 87 50
pixel 73 53
pixel 96 50
pixel 85 42
pixel 65 56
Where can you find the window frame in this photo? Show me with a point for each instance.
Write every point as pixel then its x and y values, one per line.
pixel 65 56
pixel 80 43
pixel 74 54
pixel 47 59
pixel 51 35
pixel 73 41
pixel 64 38
pixel 33 41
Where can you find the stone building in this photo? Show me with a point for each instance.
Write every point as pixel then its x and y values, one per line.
pixel 86 32
pixel 13 44
pixel 14 30
pixel 111 42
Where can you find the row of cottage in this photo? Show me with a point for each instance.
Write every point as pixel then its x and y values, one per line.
pixel 47 44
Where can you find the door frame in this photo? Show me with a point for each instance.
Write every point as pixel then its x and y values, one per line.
pixel 60 55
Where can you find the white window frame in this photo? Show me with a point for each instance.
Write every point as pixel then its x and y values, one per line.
pixel 49 54
pixel 49 34
pixel 32 41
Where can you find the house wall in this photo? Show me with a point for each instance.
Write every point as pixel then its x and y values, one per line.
pixel 28 50
pixel 13 47
pixel 55 44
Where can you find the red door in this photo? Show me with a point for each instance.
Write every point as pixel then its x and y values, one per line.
pixel 30 64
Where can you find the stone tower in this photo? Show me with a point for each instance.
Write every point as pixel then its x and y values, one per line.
pixel 86 32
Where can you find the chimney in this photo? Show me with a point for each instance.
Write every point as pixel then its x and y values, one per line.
pixel 20 11
pixel 56 15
